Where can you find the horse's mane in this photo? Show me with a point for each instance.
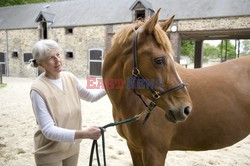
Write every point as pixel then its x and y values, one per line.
pixel 123 35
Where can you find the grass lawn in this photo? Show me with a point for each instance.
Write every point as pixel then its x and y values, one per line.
pixel 3 85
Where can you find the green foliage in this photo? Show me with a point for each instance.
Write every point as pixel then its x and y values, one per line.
pixel 227 50
pixel 245 47
pixel 3 85
pixel 187 48
pixel 210 52
pixel 21 2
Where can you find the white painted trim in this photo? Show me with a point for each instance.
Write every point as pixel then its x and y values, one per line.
pixel 91 49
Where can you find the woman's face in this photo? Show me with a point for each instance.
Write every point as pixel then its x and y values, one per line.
pixel 52 63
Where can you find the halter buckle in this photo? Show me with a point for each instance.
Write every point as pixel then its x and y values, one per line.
pixel 151 106
pixel 156 95
pixel 135 72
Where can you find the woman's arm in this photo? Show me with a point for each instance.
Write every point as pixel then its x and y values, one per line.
pixel 90 133
pixel 46 123
pixel 52 132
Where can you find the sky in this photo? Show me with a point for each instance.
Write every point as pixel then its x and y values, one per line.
pixel 213 42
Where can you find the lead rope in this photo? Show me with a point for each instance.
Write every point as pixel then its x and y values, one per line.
pixel 95 143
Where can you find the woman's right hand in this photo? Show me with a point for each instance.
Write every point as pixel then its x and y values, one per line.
pixel 88 133
pixel 92 133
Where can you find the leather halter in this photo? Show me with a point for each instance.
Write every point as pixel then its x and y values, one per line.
pixel 137 75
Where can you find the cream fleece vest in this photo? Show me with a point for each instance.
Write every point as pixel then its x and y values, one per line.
pixel 65 109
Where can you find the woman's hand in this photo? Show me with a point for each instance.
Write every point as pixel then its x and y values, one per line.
pixel 92 133
pixel 88 133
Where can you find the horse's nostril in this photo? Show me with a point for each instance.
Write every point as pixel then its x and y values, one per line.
pixel 187 110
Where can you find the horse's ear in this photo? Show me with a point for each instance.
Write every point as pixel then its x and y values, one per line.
pixel 166 24
pixel 149 26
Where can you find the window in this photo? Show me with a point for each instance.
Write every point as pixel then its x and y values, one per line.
pixel 69 55
pixel 14 54
pixel 43 30
pixel 139 14
pixel 27 57
pixel 95 62
pixel 2 62
pixel 2 57
pixel 69 31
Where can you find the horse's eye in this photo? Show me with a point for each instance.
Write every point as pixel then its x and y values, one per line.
pixel 160 61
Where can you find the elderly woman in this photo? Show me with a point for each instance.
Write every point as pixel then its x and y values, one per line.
pixel 55 97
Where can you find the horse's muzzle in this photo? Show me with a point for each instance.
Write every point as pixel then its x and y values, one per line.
pixel 178 115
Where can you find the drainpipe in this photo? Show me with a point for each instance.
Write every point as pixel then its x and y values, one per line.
pixel 7 53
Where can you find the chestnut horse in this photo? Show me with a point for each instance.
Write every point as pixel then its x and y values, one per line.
pixel 215 106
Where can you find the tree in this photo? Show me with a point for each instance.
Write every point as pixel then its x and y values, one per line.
pixel 210 52
pixel 245 47
pixel 227 50
pixel 20 2
pixel 187 48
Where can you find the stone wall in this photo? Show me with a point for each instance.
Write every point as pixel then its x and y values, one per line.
pixel 89 37
pixel 82 39
pixel 214 24
pixel 80 42
pixel 2 41
pixel 20 41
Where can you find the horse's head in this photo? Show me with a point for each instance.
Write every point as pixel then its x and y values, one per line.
pixel 145 49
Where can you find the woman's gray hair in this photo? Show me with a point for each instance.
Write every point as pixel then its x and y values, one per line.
pixel 41 49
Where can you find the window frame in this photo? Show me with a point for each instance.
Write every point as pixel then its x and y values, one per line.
pixel 24 57
pixel 3 63
pixel 140 11
pixel 92 60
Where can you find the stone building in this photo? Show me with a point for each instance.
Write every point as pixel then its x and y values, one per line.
pixel 84 28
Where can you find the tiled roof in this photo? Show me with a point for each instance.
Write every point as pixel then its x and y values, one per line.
pixel 96 12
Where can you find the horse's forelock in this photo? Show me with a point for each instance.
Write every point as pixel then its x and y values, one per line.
pixel 122 36
pixel 162 39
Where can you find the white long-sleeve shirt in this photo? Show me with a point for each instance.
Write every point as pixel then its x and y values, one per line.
pixel 45 121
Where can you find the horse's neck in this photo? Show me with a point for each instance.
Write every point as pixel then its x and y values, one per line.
pixel 183 72
pixel 189 76
pixel 126 102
